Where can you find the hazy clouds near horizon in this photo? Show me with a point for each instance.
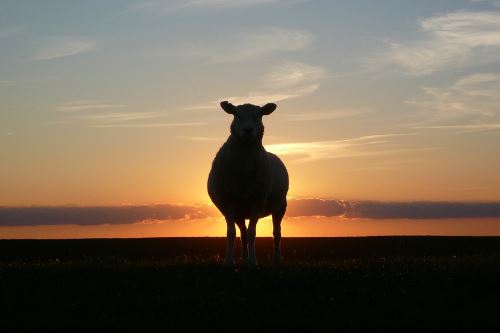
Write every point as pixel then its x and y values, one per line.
pixel 129 214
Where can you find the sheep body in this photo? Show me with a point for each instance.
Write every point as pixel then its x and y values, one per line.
pixel 246 181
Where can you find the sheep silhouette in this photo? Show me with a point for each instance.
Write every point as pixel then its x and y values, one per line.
pixel 247 182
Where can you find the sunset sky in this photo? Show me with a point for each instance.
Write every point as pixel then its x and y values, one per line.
pixel 116 104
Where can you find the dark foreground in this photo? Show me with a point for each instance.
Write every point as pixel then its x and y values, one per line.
pixel 374 283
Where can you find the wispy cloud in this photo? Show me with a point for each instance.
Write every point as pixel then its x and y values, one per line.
pixel 200 138
pixel 261 97
pixel 394 163
pixel 300 86
pixel 290 73
pixel 370 145
pixel 495 3
pixel 119 116
pixel 162 7
pixel 251 45
pixel 81 105
pixel 96 114
pixel 325 115
pixel 228 3
pixel 475 127
pixel 64 47
pixel 149 125
pixel 472 101
pixel 258 97
pixel 480 85
pixel 453 39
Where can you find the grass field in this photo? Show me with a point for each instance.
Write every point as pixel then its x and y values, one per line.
pixel 372 283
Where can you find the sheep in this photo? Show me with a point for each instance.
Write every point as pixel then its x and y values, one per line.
pixel 247 182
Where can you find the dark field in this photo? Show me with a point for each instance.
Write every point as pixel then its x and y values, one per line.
pixel 373 283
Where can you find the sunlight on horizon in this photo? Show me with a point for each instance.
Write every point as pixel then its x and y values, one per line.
pixel 291 227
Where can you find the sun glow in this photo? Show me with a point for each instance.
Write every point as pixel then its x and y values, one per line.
pixel 291 227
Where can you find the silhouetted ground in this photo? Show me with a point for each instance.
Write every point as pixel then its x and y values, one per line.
pixel 368 284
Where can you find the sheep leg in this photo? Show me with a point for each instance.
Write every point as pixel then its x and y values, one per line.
pixel 251 232
pixel 277 217
pixel 231 235
pixel 244 241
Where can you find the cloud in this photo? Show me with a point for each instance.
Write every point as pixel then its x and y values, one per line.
pixel 64 47
pixel 162 7
pixel 253 45
pixel 150 125
pixel 495 3
pixel 481 85
pixel 284 81
pixel 290 73
pixel 81 105
pixel 25 216
pixel 129 214
pixel 260 97
pixel 228 3
pixel 122 119
pixel 392 210
pixel 423 210
pixel 324 115
pixel 475 127
pixel 199 138
pixel 119 116
pixel 458 38
pixel 472 101
pixel 316 207
pixel 299 86
pixel 370 145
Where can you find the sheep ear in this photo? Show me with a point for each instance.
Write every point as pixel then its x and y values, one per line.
pixel 268 108
pixel 228 107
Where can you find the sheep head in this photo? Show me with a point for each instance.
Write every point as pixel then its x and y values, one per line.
pixel 247 124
